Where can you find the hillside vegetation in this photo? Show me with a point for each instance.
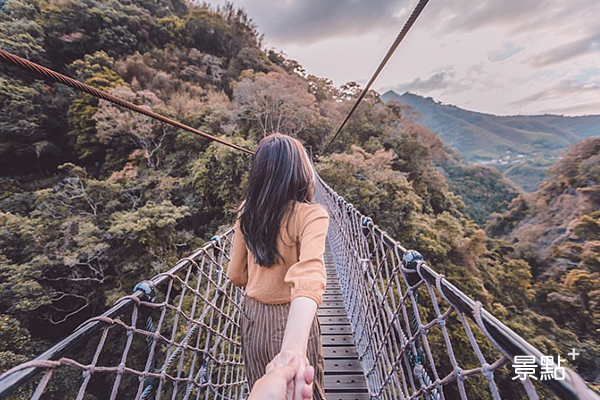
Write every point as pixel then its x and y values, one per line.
pixel 482 188
pixel 557 230
pixel 94 199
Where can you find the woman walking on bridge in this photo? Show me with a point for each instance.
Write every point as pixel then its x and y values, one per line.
pixel 278 256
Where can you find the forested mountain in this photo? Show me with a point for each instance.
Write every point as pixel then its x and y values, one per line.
pixel 94 198
pixel 522 147
pixel 483 189
pixel 557 230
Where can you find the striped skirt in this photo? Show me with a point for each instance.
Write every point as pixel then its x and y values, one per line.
pixel 263 326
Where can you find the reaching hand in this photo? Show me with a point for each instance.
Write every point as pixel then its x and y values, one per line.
pixel 299 386
pixel 279 383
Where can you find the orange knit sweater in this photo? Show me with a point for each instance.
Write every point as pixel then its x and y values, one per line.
pixel 302 273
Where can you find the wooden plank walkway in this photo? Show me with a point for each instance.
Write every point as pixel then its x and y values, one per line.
pixel 344 379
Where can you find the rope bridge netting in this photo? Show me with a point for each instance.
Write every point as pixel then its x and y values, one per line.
pixel 178 335
pixel 417 335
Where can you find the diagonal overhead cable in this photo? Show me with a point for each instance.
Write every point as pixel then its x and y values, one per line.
pixel 409 23
pixel 65 80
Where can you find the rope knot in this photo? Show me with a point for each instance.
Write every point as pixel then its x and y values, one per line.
pixel 219 292
pixel 441 321
pixel 487 371
pixel 458 374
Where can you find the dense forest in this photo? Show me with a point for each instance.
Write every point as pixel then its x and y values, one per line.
pixel 94 198
pixel 557 231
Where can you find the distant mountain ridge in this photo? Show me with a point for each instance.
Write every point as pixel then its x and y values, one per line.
pixel 486 137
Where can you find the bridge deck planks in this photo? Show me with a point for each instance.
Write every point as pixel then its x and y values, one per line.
pixel 344 379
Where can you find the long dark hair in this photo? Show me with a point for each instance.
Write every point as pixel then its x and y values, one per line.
pixel 280 174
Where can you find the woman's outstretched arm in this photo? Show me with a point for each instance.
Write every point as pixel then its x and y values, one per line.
pixel 295 341
pixel 300 319
pixel 308 279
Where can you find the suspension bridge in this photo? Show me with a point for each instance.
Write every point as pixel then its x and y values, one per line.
pixel 389 323
pixel 393 328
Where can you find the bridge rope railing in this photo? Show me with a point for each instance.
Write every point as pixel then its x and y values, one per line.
pixel 176 336
pixel 406 321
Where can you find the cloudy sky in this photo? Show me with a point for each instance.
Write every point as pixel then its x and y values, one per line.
pixel 497 56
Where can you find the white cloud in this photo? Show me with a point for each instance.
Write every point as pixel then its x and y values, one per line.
pixel 567 51
pixel 438 82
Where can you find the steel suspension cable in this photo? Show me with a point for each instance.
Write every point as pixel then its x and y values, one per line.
pixel 65 80
pixel 409 23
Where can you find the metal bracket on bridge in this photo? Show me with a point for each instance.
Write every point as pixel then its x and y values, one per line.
pixel 410 260
pixel 149 290
pixel 366 225
pixel 217 241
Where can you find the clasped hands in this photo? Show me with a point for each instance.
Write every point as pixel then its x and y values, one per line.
pixel 288 376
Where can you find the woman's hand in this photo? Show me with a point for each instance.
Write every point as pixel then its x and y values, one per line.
pixel 280 380
pixel 300 387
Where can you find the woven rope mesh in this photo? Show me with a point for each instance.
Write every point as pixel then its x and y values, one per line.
pixel 183 345
pixel 412 343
